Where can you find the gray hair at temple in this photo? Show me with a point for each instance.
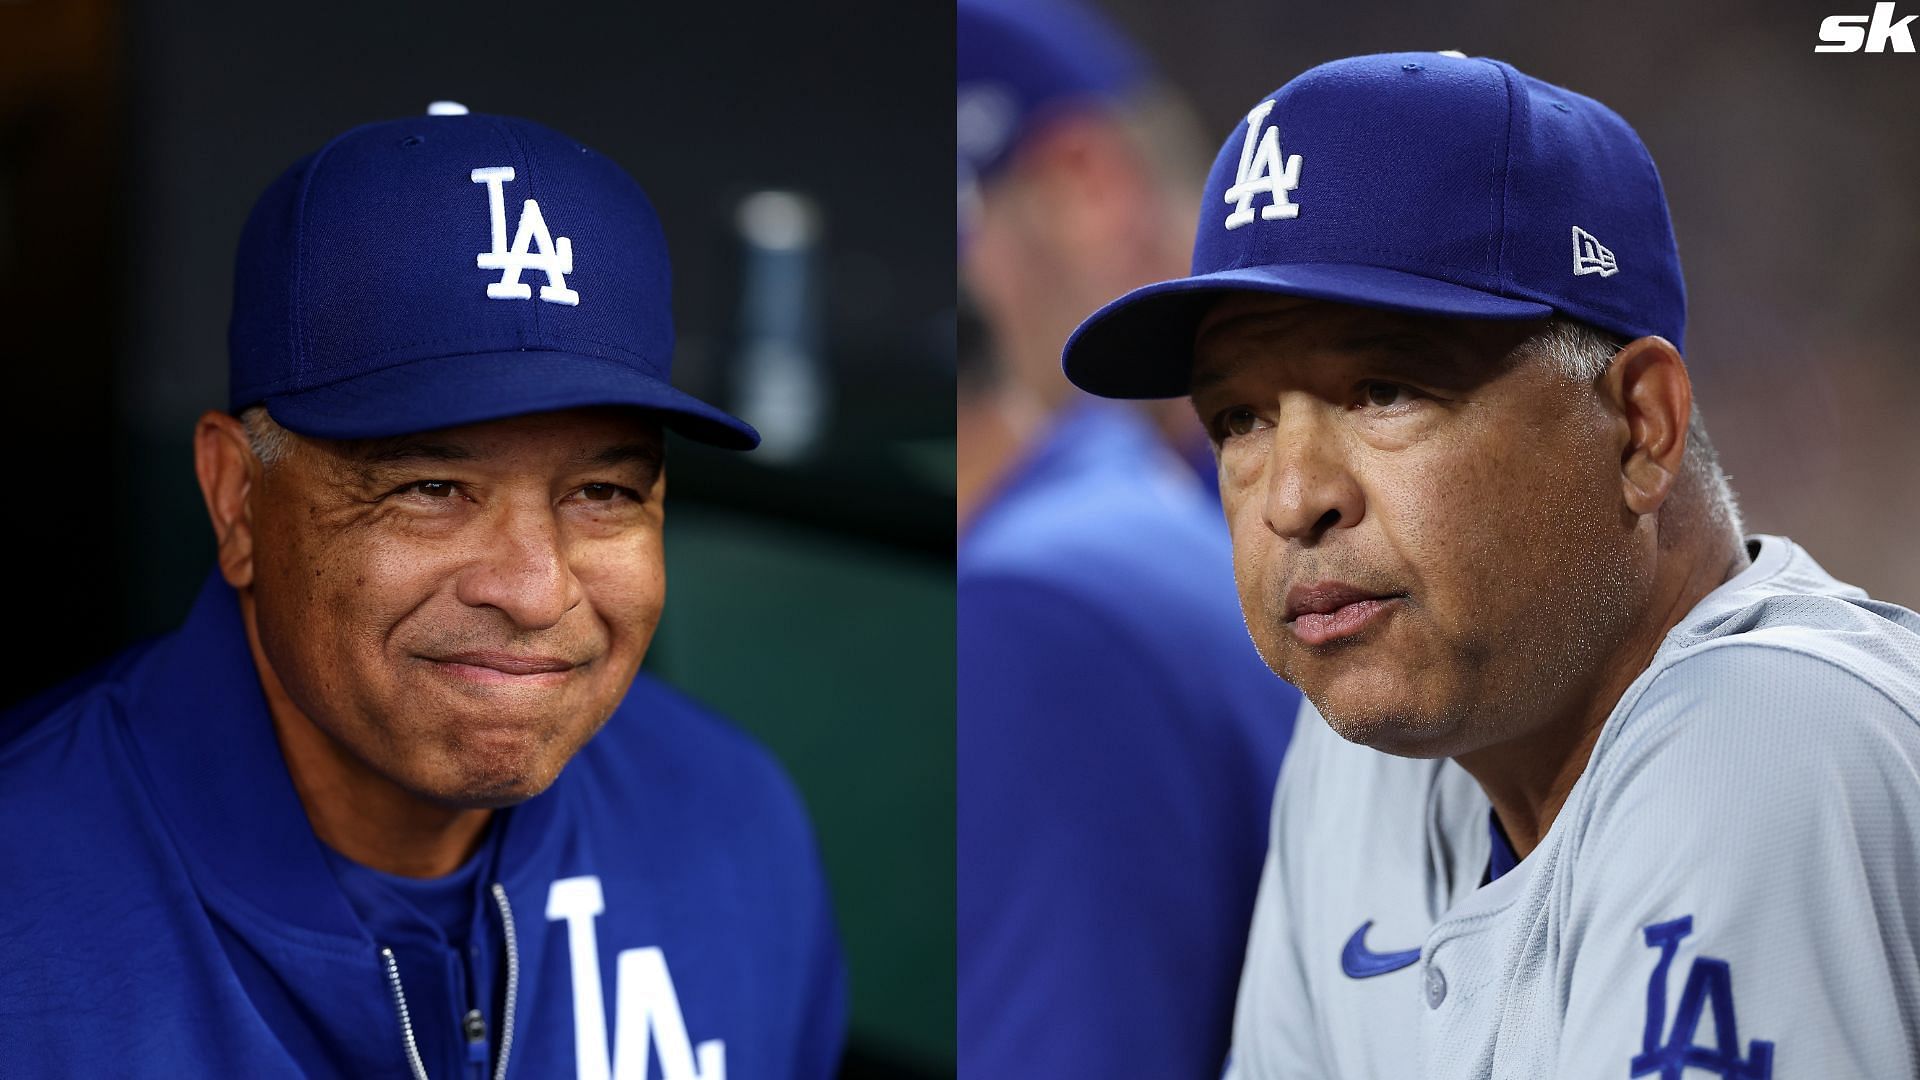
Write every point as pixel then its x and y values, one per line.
pixel 270 442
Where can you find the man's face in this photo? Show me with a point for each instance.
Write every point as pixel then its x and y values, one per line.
pixel 1429 533
pixel 462 609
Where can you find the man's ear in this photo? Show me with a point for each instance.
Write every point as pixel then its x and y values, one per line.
pixel 229 473
pixel 1647 387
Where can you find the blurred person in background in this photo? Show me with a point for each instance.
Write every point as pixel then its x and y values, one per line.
pixel 1118 735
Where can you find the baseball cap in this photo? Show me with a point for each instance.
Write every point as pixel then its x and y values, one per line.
pixel 1429 183
pixel 1020 64
pixel 453 268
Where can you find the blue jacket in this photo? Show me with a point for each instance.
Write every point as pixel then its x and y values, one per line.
pixel 166 910
pixel 1119 739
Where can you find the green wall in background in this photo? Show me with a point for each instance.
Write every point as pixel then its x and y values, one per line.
pixel 838 655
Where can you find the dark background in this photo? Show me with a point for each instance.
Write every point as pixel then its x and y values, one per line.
pixel 811 600
pixel 1794 184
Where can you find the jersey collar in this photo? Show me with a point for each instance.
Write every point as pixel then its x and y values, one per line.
pixel 199 719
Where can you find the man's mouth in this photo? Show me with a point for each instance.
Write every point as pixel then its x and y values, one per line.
pixel 489 668
pixel 1329 610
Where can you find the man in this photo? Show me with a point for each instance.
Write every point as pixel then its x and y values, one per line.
pixel 324 829
pixel 1118 737
pixel 1591 783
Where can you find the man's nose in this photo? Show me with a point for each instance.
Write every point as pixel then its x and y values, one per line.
pixel 1311 488
pixel 524 571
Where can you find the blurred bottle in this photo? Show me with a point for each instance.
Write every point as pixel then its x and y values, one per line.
pixel 778 373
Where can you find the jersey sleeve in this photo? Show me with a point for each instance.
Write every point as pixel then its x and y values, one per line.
pixel 1745 895
pixel 1108 866
pixel 1275 1030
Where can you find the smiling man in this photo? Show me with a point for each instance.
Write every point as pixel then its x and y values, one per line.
pixel 395 800
pixel 1590 783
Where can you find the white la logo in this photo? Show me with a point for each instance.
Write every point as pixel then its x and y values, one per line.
pixel 1263 169
pixel 555 256
pixel 649 1011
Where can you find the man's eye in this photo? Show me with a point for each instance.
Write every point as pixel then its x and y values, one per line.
pixel 602 492
pixel 1238 420
pixel 1384 394
pixel 439 489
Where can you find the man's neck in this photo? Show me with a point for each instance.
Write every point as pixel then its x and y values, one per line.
pixel 355 810
pixel 1528 779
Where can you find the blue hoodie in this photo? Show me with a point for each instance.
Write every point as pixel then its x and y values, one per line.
pixel 166 909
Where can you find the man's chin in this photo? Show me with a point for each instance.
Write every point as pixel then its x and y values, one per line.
pixel 494 799
pixel 1392 727
pixel 489 789
pixel 497 767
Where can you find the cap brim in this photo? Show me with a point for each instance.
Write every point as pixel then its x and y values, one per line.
pixel 1141 345
pixel 448 391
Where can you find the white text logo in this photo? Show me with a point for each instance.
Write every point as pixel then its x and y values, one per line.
pixel 1263 169
pixel 1874 33
pixel 555 256
pixel 1590 256
pixel 649 1009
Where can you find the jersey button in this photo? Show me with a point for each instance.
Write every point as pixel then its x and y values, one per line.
pixel 1436 987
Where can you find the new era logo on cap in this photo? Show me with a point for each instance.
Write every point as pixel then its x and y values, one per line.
pixel 1428 183
pixel 1590 256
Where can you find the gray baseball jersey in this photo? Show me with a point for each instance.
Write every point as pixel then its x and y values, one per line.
pixel 1732 888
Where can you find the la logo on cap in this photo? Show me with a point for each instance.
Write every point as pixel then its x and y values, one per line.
pixel 1263 169
pixel 554 256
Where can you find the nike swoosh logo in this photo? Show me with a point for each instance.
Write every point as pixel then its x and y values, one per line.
pixel 1361 963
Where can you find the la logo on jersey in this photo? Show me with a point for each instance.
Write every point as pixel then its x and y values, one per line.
pixel 1669 1053
pixel 1263 171
pixel 649 1009
pixel 555 256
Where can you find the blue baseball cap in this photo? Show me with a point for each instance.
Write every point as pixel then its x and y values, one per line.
pixel 1429 183
pixel 454 268
pixel 1020 64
